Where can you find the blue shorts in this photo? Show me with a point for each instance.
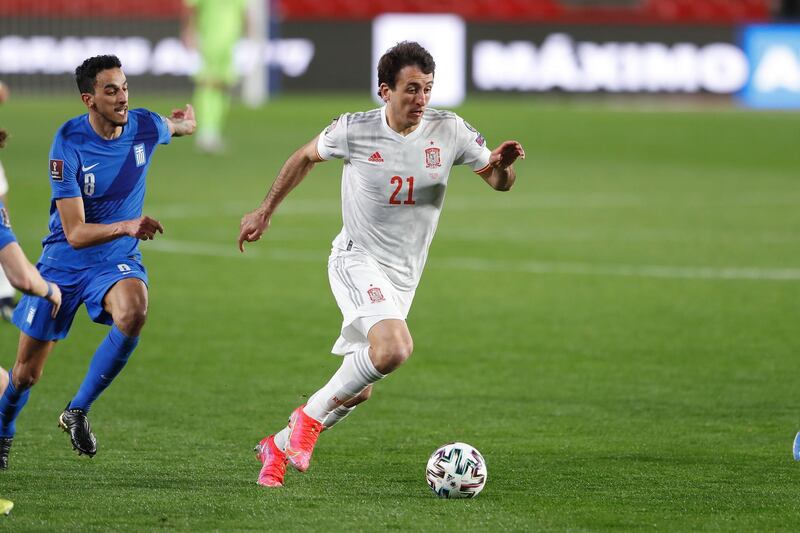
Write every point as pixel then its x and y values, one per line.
pixel 88 286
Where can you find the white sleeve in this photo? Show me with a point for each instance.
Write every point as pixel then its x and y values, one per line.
pixel 470 147
pixel 332 142
pixel 3 181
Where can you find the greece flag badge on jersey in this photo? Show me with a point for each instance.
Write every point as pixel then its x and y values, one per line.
pixel 138 151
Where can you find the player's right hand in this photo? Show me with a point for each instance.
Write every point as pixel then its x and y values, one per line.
pixel 143 228
pixel 252 227
pixel 54 298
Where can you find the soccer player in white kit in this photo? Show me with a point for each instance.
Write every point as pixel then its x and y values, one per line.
pixel 397 162
pixel 7 291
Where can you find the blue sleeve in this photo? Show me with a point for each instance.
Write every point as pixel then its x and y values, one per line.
pixel 6 235
pixel 63 169
pixel 164 137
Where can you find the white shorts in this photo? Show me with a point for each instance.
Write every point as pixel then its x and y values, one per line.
pixel 365 296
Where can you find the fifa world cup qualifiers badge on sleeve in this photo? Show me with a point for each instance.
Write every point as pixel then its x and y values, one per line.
pixel 57 169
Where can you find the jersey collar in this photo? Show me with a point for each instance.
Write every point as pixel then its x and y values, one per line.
pixel 403 138
pixel 97 137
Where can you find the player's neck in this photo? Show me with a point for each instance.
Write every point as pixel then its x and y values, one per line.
pixel 103 127
pixel 403 128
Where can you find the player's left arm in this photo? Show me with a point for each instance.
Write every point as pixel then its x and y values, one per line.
pixel 499 173
pixel 182 121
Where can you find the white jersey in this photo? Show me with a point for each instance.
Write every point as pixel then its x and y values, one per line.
pixel 3 181
pixel 393 186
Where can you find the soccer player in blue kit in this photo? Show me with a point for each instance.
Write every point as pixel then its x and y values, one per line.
pixel 98 164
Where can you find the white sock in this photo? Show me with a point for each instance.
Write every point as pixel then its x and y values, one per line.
pixel 337 415
pixel 282 439
pixel 356 372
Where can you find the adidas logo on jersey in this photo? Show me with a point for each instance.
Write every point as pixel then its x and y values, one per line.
pixel 375 158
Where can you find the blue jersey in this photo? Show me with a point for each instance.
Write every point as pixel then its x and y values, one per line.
pixel 110 177
pixel 6 235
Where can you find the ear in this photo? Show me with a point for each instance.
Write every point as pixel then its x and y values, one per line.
pixel 88 100
pixel 385 92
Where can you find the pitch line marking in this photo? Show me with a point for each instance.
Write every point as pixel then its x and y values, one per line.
pixel 488 265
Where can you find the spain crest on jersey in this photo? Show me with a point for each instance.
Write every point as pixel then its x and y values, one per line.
pixel 375 295
pixel 432 157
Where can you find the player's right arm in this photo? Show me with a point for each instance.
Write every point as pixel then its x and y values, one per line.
pixel 300 163
pixel 24 277
pixel 80 234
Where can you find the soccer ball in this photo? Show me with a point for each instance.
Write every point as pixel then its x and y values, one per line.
pixel 456 470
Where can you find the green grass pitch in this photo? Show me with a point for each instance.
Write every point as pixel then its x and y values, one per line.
pixel 618 335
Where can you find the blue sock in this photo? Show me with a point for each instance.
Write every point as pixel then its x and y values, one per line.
pixel 11 404
pixel 108 361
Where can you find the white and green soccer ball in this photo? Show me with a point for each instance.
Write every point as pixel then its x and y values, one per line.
pixel 456 470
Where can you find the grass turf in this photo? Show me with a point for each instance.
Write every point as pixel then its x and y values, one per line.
pixel 617 335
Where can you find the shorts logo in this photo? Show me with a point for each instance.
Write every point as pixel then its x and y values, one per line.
pixel 31 314
pixel 432 158
pixel 122 267
pixel 138 151
pixel 57 169
pixel 375 295
pixel 4 219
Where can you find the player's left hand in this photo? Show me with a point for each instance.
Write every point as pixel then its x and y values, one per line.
pixel 504 155
pixel 183 121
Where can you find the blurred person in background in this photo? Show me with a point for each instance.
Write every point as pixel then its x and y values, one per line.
pixel 7 292
pixel 97 168
pixel 213 27
pixel 21 274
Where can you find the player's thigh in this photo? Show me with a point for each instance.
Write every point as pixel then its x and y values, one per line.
pixel 117 288
pixel 126 295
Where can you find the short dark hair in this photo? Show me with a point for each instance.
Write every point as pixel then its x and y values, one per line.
pixel 401 55
pixel 86 73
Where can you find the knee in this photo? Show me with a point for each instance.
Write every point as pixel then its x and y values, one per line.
pixel 25 378
pixel 392 354
pixel 130 319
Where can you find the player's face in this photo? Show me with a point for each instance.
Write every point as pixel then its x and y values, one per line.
pixel 410 96
pixel 110 98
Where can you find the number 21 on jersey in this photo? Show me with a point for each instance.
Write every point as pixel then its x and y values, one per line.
pixel 397 183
